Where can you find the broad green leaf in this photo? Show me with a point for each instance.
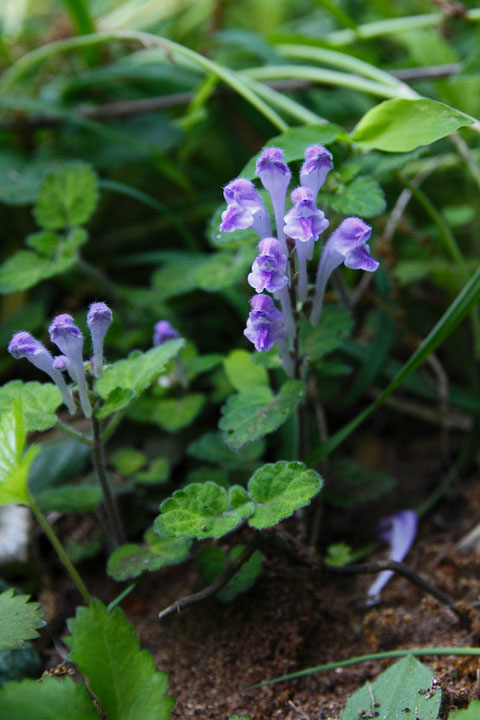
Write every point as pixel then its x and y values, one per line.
pixel 58 463
pixel 212 562
pixel 19 664
pixel 442 330
pixel 402 124
pixel 70 498
pixel 132 560
pixel 253 413
pixel 14 465
pixel 212 447
pixel 123 678
pixel 242 372
pixel 128 461
pixel 338 555
pixel 363 197
pixel 333 329
pixel 118 399
pixel 173 414
pixel 46 700
pixel 27 268
pixel 19 620
pixel 403 685
pixel 139 370
pixel 45 242
pixel 470 713
pixel 67 196
pixel 39 402
pixel 293 143
pixel 278 489
pixel 197 511
pixel 224 269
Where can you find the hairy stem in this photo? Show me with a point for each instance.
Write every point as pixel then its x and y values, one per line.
pixel 111 508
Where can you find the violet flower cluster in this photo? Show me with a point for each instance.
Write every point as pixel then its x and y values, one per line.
pixel 69 340
pixel 281 265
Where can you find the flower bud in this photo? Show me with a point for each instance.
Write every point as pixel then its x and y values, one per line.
pixel 99 319
pixel 69 340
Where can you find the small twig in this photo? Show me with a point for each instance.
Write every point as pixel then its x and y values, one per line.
pixel 298 710
pixel 216 586
pixel 411 576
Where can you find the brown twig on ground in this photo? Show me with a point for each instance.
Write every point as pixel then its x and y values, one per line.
pixel 411 576
pixel 216 586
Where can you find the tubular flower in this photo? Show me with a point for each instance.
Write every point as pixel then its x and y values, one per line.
pixel 399 531
pixel 347 245
pixel 69 340
pixel 317 165
pixel 163 331
pixel 99 319
pixel 269 269
pixel 275 176
pixel 265 324
pixel 24 345
pixel 245 209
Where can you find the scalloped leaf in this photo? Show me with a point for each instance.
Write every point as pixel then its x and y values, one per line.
pixel 39 402
pixel 253 413
pixel 19 620
pixel 363 197
pixel 46 699
pixel 242 372
pixel 278 489
pixel 197 511
pixel 67 196
pixel 123 678
pixel 130 561
pixel 118 399
pixel 139 370
pixel 330 334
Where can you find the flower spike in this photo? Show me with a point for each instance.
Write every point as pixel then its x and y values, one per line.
pixel 24 345
pixel 399 531
pixel 69 340
pixel 275 176
pixel 348 245
pixel 99 319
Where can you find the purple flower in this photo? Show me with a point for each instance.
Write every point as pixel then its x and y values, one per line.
pixel 317 165
pixel 163 331
pixel 399 531
pixel 99 319
pixel 269 269
pixel 275 176
pixel 24 345
pixel 348 245
pixel 245 209
pixel 265 325
pixel 69 340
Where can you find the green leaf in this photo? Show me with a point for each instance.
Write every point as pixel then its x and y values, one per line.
pixel 130 561
pixel 240 501
pixel 403 685
pixel 402 124
pixel 14 465
pixel 242 372
pixel 173 414
pixel 128 461
pixel 58 463
pixel 45 242
pixel 471 713
pixel 338 555
pixel 293 143
pixel 211 447
pixel 335 327
pixel 70 498
pixel 253 413
pixel 197 511
pixel 20 177
pixel 27 268
pixel 118 399
pixel 363 197
pixel 67 196
pixel 46 700
pixel 157 473
pixel 212 562
pixel 18 620
pixel 278 489
pixel 123 678
pixel 39 402
pixel 139 370
pixel 18 664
